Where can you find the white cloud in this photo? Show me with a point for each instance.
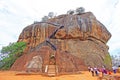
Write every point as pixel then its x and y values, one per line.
pixel 114 42
pixel 16 14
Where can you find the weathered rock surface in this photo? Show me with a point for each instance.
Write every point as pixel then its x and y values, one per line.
pixel 39 59
pixel 83 38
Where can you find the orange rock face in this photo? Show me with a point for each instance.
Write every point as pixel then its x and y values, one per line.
pixel 79 43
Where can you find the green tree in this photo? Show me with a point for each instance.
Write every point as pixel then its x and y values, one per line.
pixel 108 61
pixel 12 52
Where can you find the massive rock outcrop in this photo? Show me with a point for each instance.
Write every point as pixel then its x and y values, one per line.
pixel 75 41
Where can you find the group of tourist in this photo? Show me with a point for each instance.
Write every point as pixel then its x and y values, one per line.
pixel 96 71
pixel 93 70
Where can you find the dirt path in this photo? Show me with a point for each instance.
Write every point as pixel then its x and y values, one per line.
pixel 11 75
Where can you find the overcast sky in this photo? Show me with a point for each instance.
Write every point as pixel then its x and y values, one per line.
pixel 17 14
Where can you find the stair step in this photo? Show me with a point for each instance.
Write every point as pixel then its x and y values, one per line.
pixel 51 75
pixel 51 70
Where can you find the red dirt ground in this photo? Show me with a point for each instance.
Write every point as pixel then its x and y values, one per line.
pixel 11 75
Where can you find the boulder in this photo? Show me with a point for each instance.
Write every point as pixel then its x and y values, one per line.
pixel 77 40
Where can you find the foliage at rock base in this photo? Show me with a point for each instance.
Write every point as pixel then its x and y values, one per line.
pixel 12 51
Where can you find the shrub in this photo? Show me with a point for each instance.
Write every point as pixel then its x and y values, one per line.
pixel 51 14
pixel 80 10
pixel 108 61
pixel 45 18
pixel 70 12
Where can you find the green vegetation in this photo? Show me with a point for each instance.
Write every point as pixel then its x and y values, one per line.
pixel 12 52
pixel 108 60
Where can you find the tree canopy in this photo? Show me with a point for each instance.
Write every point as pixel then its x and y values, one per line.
pixel 12 52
